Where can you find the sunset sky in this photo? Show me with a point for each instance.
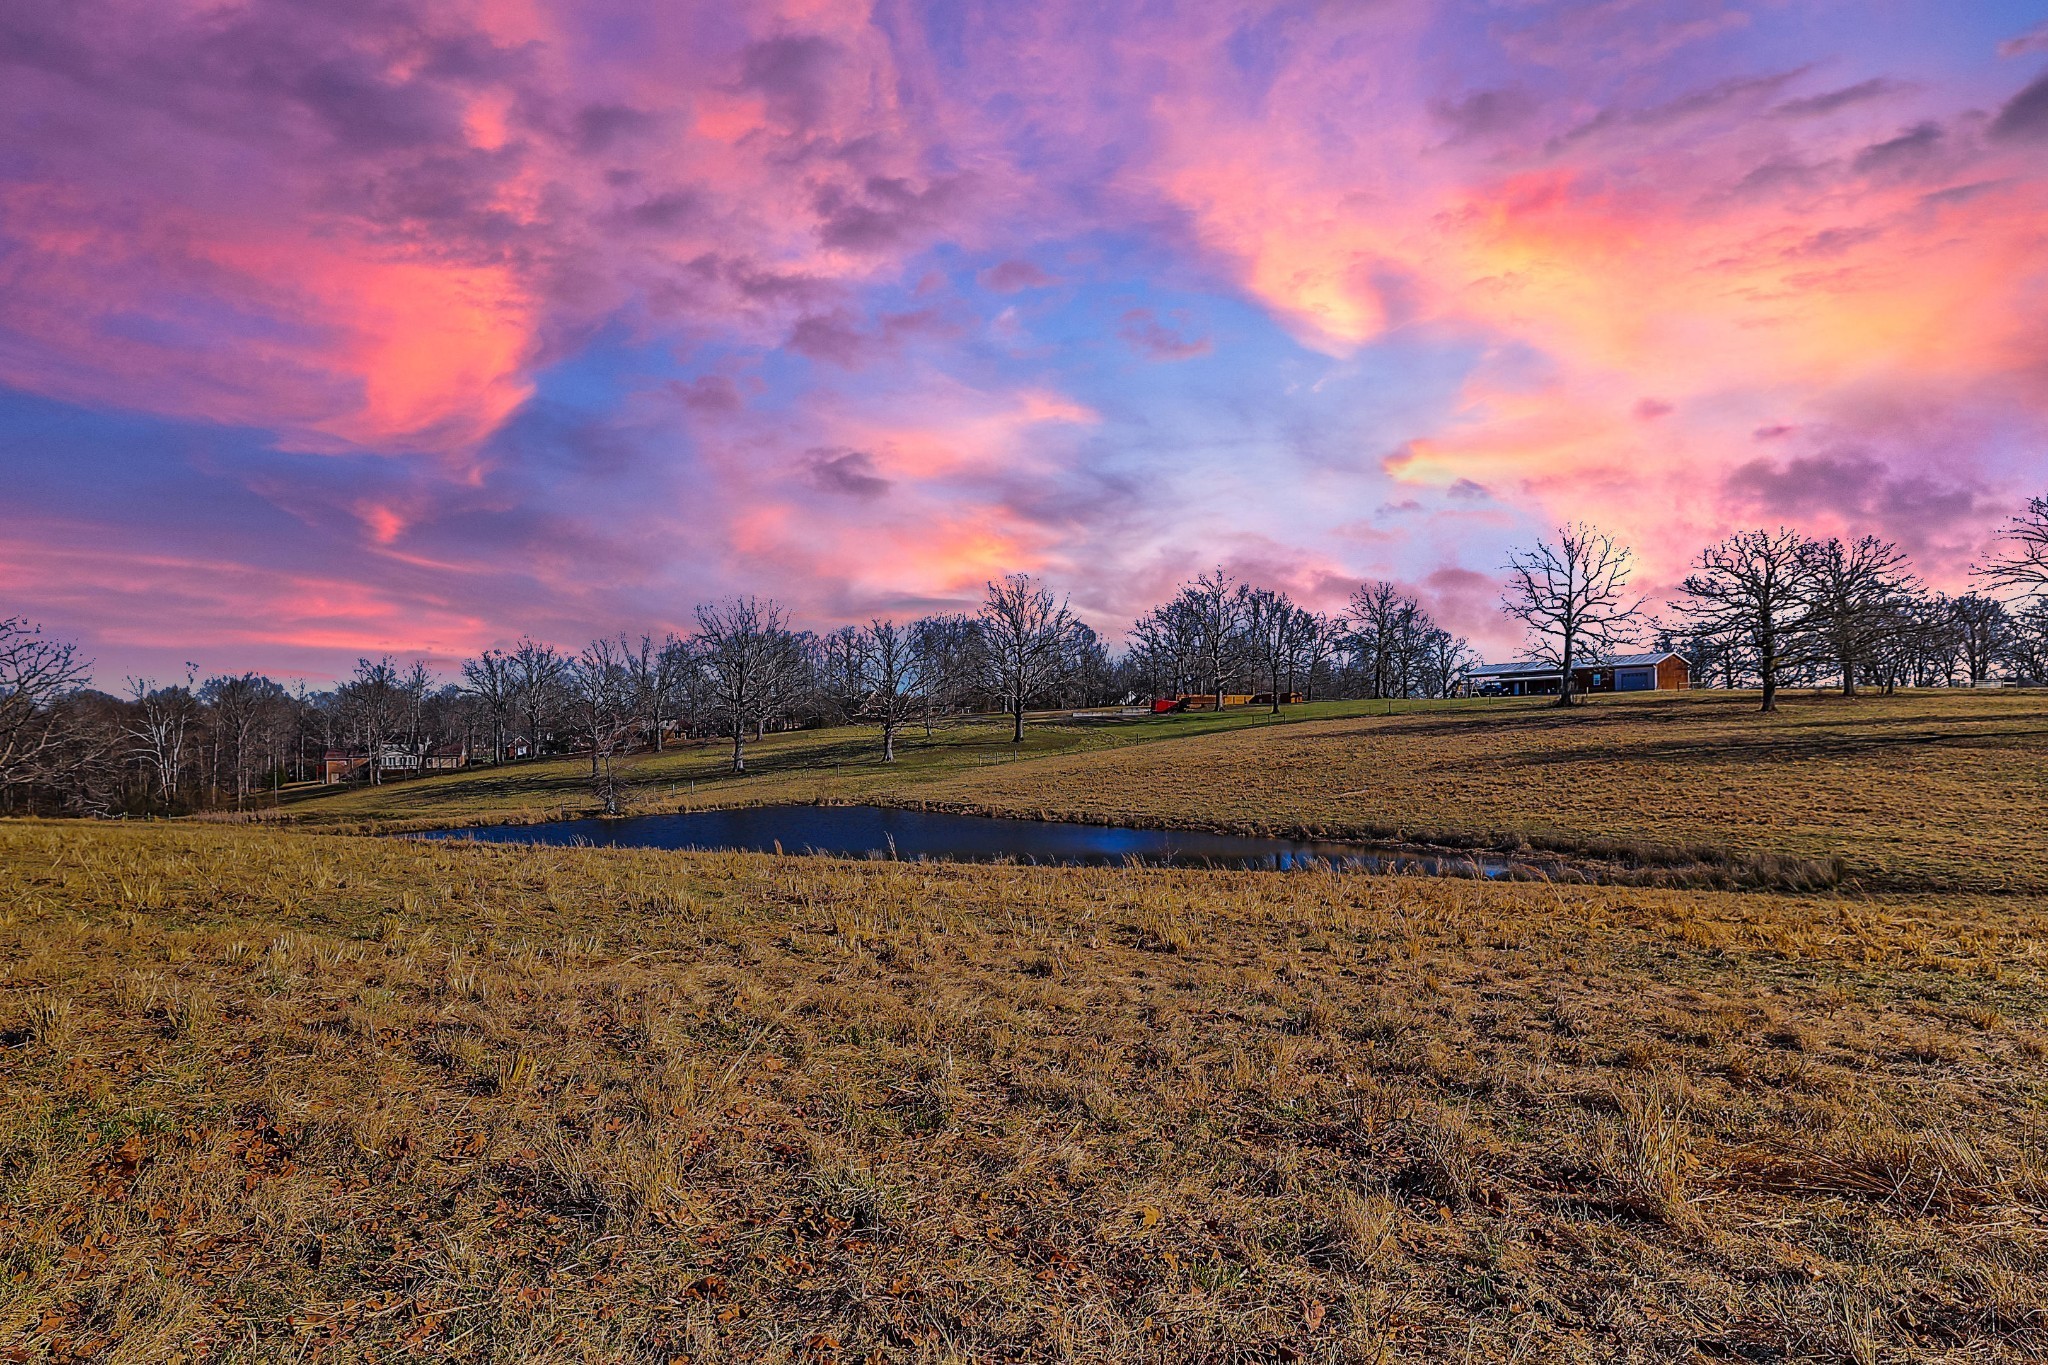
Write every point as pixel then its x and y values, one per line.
pixel 392 326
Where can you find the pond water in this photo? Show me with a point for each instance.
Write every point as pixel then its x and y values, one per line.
pixel 884 831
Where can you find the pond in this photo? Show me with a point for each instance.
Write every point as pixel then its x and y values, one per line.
pixel 886 832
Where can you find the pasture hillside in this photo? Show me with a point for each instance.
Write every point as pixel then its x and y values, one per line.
pixel 1920 791
pixel 1924 790
pixel 269 1096
pixel 837 763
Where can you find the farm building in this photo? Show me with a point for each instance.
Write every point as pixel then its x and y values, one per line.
pixel 339 765
pixel 443 757
pixel 1664 672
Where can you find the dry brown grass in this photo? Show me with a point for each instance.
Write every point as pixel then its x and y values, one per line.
pixel 1937 790
pixel 1921 791
pixel 270 1096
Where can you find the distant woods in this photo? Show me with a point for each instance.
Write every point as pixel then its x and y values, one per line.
pixel 740 673
pixel 1760 609
pixel 1765 609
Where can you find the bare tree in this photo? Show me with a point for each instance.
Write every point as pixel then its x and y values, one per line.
pixel 538 672
pixel 1445 658
pixel 1752 591
pixel 1392 636
pixel 1853 589
pixel 791 680
pixel 1378 612
pixel 161 726
pixel 1166 643
pixel 1272 627
pixel 842 678
pixel 888 664
pixel 1572 596
pixel 1214 608
pixel 373 707
pixel 1317 639
pixel 655 678
pixel 242 707
pixel 489 678
pixel 675 690
pixel 35 673
pixel 2026 649
pixel 1090 676
pixel 1983 629
pixel 601 685
pixel 2022 559
pixel 741 644
pixel 948 650
pixel 415 689
pixel 1026 637
pixel 89 765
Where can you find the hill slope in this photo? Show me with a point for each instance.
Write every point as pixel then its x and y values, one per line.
pixel 1923 790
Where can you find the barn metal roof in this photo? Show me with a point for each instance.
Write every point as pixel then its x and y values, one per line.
pixel 1540 667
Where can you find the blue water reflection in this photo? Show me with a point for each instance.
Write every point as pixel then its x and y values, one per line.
pixel 887 832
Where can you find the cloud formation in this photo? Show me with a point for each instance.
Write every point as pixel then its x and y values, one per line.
pixel 443 322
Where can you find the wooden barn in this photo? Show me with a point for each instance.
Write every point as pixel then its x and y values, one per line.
pixel 1659 672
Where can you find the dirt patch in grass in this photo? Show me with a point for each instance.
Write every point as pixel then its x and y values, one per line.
pixel 271 1095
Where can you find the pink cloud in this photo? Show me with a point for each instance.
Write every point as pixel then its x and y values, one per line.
pixel 1009 277
pixel 1618 259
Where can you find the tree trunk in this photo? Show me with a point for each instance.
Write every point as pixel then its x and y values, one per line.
pixel 1017 713
pixel 739 745
pixel 1564 678
pixel 888 741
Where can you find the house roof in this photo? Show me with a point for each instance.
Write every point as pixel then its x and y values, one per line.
pixel 1537 666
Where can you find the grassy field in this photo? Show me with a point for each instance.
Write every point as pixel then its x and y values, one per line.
pixel 278 1096
pixel 805 765
pixel 1929 790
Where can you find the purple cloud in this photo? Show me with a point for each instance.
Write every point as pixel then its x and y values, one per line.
pixel 850 473
pixel 1854 491
pixel 1907 152
pixel 886 211
pixel 794 73
pixel 1818 106
pixel 2025 116
pixel 1154 339
pixel 1014 276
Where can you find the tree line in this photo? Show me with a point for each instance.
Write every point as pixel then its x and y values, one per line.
pixel 1761 609
pixel 742 672
pixel 1767 609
